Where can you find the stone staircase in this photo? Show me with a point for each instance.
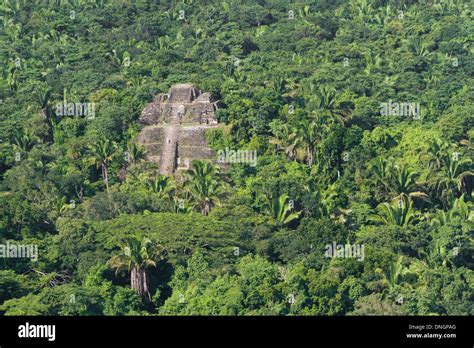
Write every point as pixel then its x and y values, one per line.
pixel 168 160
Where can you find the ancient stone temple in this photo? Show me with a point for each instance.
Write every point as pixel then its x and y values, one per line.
pixel 176 123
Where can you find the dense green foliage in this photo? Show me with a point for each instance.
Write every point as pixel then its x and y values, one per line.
pixel 300 82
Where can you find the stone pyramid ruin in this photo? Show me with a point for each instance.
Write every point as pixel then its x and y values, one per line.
pixel 175 125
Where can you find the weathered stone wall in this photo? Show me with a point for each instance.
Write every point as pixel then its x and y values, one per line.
pixel 193 136
pixel 195 153
pixel 183 103
pixel 151 112
pixel 151 135
pixel 192 144
pixel 177 122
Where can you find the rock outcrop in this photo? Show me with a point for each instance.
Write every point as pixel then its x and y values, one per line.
pixel 176 123
pixel 184 103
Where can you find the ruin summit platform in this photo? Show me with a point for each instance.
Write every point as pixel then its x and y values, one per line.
pixel 176 124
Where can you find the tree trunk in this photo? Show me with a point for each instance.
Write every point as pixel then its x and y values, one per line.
pixel 309 151
pixel 105 176
pixel 206 208
pixel 145 286
pixel 139 283
pixel 291 152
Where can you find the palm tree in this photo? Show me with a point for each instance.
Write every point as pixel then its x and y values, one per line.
pixel 136 257
pixel 469 143
pixel 225 6
pixel 320 202
pixel 404 182
pixel 373 62
pixel 23 140
pixel 384 15
pixel 281 210
pixel 9 74
pixel 400 212
pixel 161 185
pixel 135 152
pixel 165 43
pixel 396 179
pixel 43 96
pixel 361 10
pixel 203 182
pixel 182 205
pixel 436 151
pixel 101 154
pixel 382 172
pixel 453 175
pixel 285 139
pixel 417 47
pixel 119 58
pixel 279 84
pixel 393 273
pixel 310 134
pixel 439 254
pixel 326 100
pixel 459 208
pixel 404 179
